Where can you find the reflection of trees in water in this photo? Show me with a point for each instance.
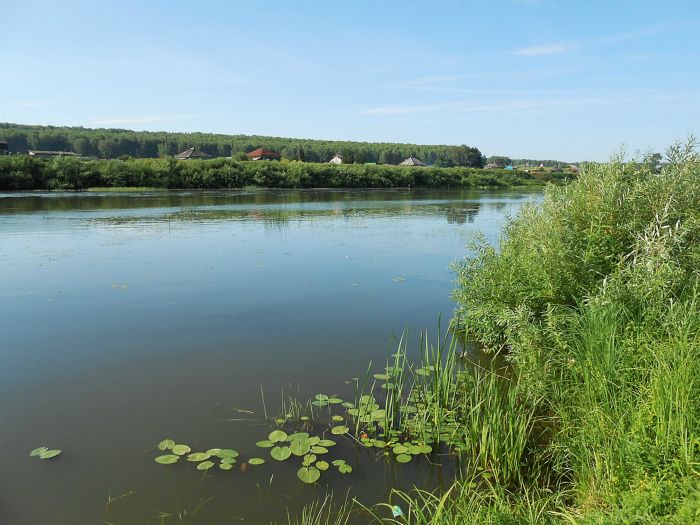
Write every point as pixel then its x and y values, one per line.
pixel 462 214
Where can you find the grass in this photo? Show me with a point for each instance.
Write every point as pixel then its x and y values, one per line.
pixel 593 299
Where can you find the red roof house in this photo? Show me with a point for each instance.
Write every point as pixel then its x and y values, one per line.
pixel 263 154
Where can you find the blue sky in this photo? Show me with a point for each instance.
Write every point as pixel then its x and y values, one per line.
pixel 563 79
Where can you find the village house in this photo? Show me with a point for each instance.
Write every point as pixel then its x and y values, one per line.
pixel 192 153
pixel 50 154
pixel 412 161
pixel 263 154
pixel 337 159
pixel 3 148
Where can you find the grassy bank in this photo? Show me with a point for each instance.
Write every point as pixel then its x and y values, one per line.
pixel 64 173
pixel 593 299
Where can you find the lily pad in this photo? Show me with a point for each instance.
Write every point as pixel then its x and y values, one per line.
pixel 403 458
pixel 322 397
pixel 265 444
pixel 344 468
pixel 256 461
pixel 181 450
pixel 198 456
pixel 322 465
pixel 225 466
pixel 317 449
pixel 326 443
pixel 300 448
pixel 49 454
pixel 298 436
pixel 309 474
pixel 213 451
pixel 339 430
pixel 227 453
pixel 167 459
pixel 281 453
pixel 205 465
pixel 38 451
pixel 277 436
pixel 334 400
pixel 399 449
pixel 338 462
pixel 166 444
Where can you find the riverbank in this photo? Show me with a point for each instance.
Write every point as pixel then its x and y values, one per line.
pixel 593 298
pixel 66 173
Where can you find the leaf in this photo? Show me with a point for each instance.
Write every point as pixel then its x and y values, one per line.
pixel 322 465
pixel 399 449
pixel 335 400
pixel 166 444
pixel 338 462
pixel 205 465
pixel 256 461
pixel 403 458
pixel 308 474
pixel 298 436
pixel 344 469
pixel 300 448
pixel 181 450
pixel 383 377
pixel 225 466
pixel 38 451
pixel 339 430
pixel 265 444
pixel 281 453
pixel 227 453
pixel 198 456
pixel 326 443
pixel 213 451
pixel 322 397
pixel 167 459
pixel 319 449
pixel 426 449
pixel 337 418
pixel 49 454
pixel 228 460
pixel 308 459
pixel 415 450
pixel 277 436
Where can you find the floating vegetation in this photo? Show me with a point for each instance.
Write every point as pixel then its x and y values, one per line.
pixel 44 453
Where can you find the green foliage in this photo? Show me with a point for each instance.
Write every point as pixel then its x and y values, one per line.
pixel 117 143
pixel 594 298
pixel 19 172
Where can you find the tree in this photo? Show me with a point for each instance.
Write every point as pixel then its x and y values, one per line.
pixel 466 156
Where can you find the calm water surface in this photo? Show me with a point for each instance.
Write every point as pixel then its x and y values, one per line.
pixel 128 318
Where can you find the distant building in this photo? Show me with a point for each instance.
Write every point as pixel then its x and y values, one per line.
pixel 263 154
pixel 192 154
pixel 509 168
pixel 492 166
pixel 574 168
pixel 50 154
pixel 412 161
pixel 4 148
pixel 337 159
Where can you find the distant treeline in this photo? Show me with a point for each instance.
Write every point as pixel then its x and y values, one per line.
pixel 119 143
pixel 21 172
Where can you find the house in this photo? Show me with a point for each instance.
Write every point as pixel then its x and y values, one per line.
pixel 50 154
pixel 192 153
pixel 337 159
pixel 492 166
pixel 263 154
pixel 574 168
pixel 3 148
pixel 412 161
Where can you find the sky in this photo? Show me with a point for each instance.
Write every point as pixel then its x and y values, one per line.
pixel 547 79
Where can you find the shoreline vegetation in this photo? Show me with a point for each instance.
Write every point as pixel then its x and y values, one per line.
pixel 24 173
pixel 593 301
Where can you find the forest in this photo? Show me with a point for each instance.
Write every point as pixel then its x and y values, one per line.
pixel 122 143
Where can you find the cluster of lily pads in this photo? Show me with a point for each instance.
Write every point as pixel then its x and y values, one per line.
pixel 206 460
pixel 44 453
pixel 302 445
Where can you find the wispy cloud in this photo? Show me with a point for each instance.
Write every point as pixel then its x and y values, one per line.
pixel 146 119
pixel 534 103
pixel 567 46
pixel 537 51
